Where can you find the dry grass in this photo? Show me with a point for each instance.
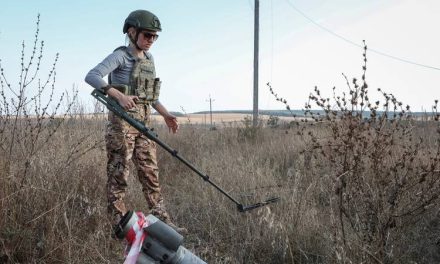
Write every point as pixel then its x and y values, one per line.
pixel 56 212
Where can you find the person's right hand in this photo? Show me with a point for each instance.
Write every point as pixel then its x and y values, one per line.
pixel 127 101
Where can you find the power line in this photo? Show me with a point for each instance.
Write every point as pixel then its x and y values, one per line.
pixel 356 44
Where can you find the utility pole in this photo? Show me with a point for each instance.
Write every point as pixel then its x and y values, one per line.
pixel 210 108
pixel 256 32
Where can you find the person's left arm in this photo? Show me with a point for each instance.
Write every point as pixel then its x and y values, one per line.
pixel 170 119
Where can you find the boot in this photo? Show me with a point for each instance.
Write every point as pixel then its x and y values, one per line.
pixel 114 220
pixel 180 230
pixel 165 217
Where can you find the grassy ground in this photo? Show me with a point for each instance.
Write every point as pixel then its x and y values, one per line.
pixel 53 199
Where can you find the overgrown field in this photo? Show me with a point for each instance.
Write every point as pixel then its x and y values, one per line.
pixel 358 180
pixel 53 205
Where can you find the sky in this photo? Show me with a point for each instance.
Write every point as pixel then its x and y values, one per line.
pixel 206 47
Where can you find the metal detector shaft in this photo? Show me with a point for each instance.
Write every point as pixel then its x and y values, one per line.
pixel 113 106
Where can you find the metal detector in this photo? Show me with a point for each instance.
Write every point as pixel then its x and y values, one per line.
pixel 113 106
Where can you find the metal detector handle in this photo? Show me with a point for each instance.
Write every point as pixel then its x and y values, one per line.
pixel 113 106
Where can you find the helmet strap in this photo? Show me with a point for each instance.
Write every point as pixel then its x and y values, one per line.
pixel 135 39
pixel 138 31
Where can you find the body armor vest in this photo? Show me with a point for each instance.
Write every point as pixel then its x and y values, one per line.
pixel 142 83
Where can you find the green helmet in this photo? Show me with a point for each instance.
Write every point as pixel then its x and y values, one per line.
pixel 142 19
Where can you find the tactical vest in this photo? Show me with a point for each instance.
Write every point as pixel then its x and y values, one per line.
pixel 142 83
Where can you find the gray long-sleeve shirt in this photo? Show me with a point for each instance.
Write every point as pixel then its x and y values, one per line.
pixel 119 64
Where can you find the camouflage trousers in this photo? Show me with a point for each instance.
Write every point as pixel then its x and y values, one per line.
pixel 124 143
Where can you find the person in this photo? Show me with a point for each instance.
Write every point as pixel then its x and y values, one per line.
pixel 132 82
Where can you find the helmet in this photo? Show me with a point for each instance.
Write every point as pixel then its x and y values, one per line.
pixel 142 19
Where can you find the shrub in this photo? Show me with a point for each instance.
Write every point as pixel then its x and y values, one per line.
pixel 385 171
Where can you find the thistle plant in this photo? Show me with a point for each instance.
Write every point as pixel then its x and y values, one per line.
pixel 385 173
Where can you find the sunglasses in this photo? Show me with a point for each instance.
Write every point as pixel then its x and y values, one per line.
pixel 149 35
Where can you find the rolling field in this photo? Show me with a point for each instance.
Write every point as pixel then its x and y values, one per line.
pixel 224 119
